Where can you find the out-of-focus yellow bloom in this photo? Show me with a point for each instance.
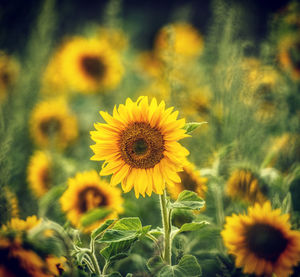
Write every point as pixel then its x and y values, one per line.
pixel 196 103
pixel 262 241
pixel 86 192
pixel 245 185
pixel 17 224
pixel 262 88
pixel 150 64
pixel 289 54
pixel 15 260
pixel 90 65
pixel 284 151
pixel 180 38
pixel 139 144
pixel 39 173
pixel 9 71
pixel 57 265
pixel 190 180
pixel 52 124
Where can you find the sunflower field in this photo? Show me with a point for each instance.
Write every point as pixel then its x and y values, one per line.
pixel 136 145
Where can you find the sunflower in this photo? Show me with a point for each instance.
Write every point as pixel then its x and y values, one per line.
pixel 53 82
pixel 86 192
pixel 17 261
pixel 56 265
pixel 285 151
pixel 90 65
pixel 39 173
pixel 288 55
pixel 52 124
pixel 190 180
pixel 180 37
pixel 150 63
pixel 9 71
pixel 245 185
pixel 17 224
pixel 139 144
pixel 262 241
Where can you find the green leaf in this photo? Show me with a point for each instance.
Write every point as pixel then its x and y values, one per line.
pixel 49 199
pixel 188 200
pixel 191 126
pixel 117 248
pixel 128 223
pixel 187 267
pixel 287 204
pixel 93 216
pixel 129 275
pixel 101 228
pixel 112 235
pixel 193 226
pixel 155 264
pixel 145 230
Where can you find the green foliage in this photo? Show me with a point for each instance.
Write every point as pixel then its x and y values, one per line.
pixel 187 267
pixel 94 215
pixel 188 200
pixel 191 126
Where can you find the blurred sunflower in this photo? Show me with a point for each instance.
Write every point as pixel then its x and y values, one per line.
pixel 149 63
pixel 86 192
pixel 197 103
pixel 139 145
pixel 53 82
pixel 190 180
pixel 284 151
pixel 289 54
pixel 262 241
pixel 180 37
pixel 52 124
pixel 262 86
pixel 57 265
pixel 9 71
pixel 15 260
pixel 90 65
pixel 243 184
pixel 17 224
pixel 39 173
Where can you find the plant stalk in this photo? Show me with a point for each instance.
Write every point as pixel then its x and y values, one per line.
pixel 166 221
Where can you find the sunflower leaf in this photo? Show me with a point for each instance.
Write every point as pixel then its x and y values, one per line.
pixel 102 228
pixel 192 226
pixel 188 200
pixel 112 235
pixel 128 223
pixel 117 248
pixel 93 216
pixel 191 126
pixel 187 267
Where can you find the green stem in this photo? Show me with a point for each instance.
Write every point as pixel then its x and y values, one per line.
pixel 93 258
pixel 166 221
pixel 105 268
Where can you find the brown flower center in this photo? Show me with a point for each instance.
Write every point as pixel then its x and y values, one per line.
pixel 5 78
pixel 50 126
pixel 265 241
pixel 45 177
pixel 141 145
pixel 187 181
pixel 91 198
pixel 93 67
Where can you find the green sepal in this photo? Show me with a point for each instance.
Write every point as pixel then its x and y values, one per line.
pixel 191 126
